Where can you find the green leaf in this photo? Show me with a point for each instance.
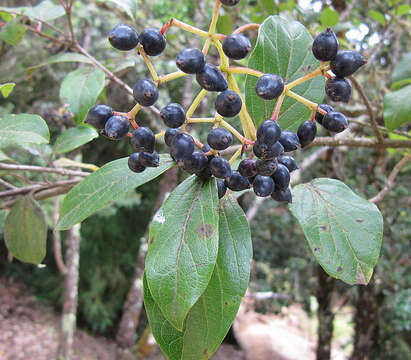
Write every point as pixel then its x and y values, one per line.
pixel 6 89
pixel 45 11
pixel 73 138
pixel 80 89
pixel 128 6
pixel 25 231
pixel 4 157
pixel 23 128
pixel 402 9
pixel 103 187
pixel 225 24
pixel 3 215
pixel 59 58
pixel 403 70
pixel 13 32
pixel 183 248
pixel 329 17
pixel 284 47
pixel 210 318
pixel 377 16
pixel 344 231
pixel 397 108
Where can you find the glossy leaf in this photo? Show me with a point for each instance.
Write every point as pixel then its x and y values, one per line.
pixel 45 11
pixel 397 108
pixel 128 6
pixel 80 89
pixel 403 70
pixel 210 318
pixel 6 89
pixel 13 32
pixel 377 16
pixel 344 231
pixel 25 231
pixel 103 187
pixel 329 17
pixel 23 128
pixel 284 47
pixel 59 58
pixel 73 138
pixel 183 248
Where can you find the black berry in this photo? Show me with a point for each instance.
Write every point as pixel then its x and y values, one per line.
pixel 169 135
pixel 267 152
pixel 306 132
pixel 143 139
pixel 282 195
pixel 222 189
pixel 230 2
pixel 219 138
pixel 220 167
pixel 289 140
pixel 281 177
pixel 237 182
pixel 236 46
pixel 173 115
pixel 134 163
pixel 212 79
pixel 338 89
pixel 247 168
pixel 269 86
pixel 266 167
pixel 228 103
pixel 263 185
pixel 123 37
pixel 98 116
pixel 196 162
pixel 347 62
pixel 191 61
pixel 268 132
pixel 181 147
pixel 145 92
pixel 116 127
pixel 320 117
pixel 325 45
pixel 149 159
pixel 289 162
pixel 153 41
pixel 335 121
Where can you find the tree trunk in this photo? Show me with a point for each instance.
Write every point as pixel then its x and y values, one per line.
pixel 325 288
pixel 126 333
pixel 68 319
pixel 366 320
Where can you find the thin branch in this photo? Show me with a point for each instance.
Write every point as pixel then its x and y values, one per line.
pixel 58 257
pixel 361 142
pixel 391 178
pixel 8 185
pixel 60 171
pixel 381 128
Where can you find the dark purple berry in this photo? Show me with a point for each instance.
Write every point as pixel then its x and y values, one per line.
pixel 134 163
pixel 236 46
pixel 143 139
pixel 219 138
pixel 268 132
pixel 237 182
pixel 173 115
pixel 266 167
pixel 153 41
pixel 347 62
pixel 117 127
pixel 247 168
pixel 267 152
pixel 289 140
pixel 306 132
pixel 222 189
pixel 320 117
pixel 230 2
pixel 123 37
pixel 212 79
pixel 196 162
pixel 181 147
pixel 282 195
pixel 145 92
pixel 338 89
pixel 228 103
pixel 169 135
pixel 281 177
pixel 206 148
pixel 191 61
pixel 325 45
pixel 269 86
pixel 263 185
pixel 98 116
pixel 289 162
pixel 335 121
pixel 220 167
pixel 149 159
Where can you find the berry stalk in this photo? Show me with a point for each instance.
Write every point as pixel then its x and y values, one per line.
pixel 213 24
pixel 244 70
pixel 170 77
pixel 312 105
pixel 320 71
pixel 148 62
pixel 235 156
pixel 246 27
pixel 181 25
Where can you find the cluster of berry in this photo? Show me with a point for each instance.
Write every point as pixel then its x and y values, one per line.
pixel 269 172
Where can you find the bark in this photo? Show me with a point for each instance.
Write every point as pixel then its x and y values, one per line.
pixel 126 333
pixel 325 288
pixel 68 319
